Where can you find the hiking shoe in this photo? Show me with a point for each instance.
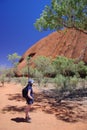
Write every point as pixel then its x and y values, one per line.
pixel 28 119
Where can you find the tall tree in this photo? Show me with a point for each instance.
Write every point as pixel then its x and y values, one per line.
pixel 14 58
pixel 63 13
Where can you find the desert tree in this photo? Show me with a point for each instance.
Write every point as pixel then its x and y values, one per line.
pixel 28 61
pixel 63 13
pixel 43 68
pixel 14 59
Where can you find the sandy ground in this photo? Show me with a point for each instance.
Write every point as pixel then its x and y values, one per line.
pixel 43 116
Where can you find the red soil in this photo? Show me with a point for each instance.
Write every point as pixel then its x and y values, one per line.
pixel 44 116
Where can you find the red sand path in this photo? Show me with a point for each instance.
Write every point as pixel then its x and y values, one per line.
pixel 12 114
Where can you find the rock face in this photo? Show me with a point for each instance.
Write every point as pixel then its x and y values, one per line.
pixel 70 43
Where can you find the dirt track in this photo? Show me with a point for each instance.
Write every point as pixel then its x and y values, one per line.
pixel 43 116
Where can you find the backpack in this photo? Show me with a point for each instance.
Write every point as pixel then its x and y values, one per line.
pixel 25 92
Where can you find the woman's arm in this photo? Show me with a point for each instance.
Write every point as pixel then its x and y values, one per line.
pixel 29 91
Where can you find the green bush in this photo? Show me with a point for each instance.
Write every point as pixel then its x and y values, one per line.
pixel 60 82
pixel 81 68
pixel 2 79
pixel 64 66
pixel 23 81
pixel 73 81
pixel 43 64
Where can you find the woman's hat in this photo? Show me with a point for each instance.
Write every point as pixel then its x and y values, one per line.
pixel 31 81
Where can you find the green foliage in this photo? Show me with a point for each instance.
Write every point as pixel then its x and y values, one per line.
pixel 60 65
pixel 14 58
pixel 81 69
pixel 23 81
pixel 2 79
pixel 38 74
pixel 31 71
pixel 73 82
pixel 59 80
pixel 43 82
pixel 10 72
pixel 66 72
pixel 28 61
pixel 6 74
pixel 63 13
pixel 64 65
pixel 43 65
pixel 64 84
pixel 3 73
pixel 24 71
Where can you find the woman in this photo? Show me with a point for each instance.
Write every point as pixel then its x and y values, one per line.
pixel 29 99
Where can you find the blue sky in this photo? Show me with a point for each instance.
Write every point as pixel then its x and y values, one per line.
pixel 17 32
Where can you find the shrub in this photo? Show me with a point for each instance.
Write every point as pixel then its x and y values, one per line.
pixel 43 64
pixel 23 81
pixel 64 66
pixel 81 68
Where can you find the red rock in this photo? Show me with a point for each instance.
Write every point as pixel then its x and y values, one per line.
pixel 70 43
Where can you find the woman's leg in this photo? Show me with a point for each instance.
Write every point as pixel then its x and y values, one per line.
pixel 27 110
